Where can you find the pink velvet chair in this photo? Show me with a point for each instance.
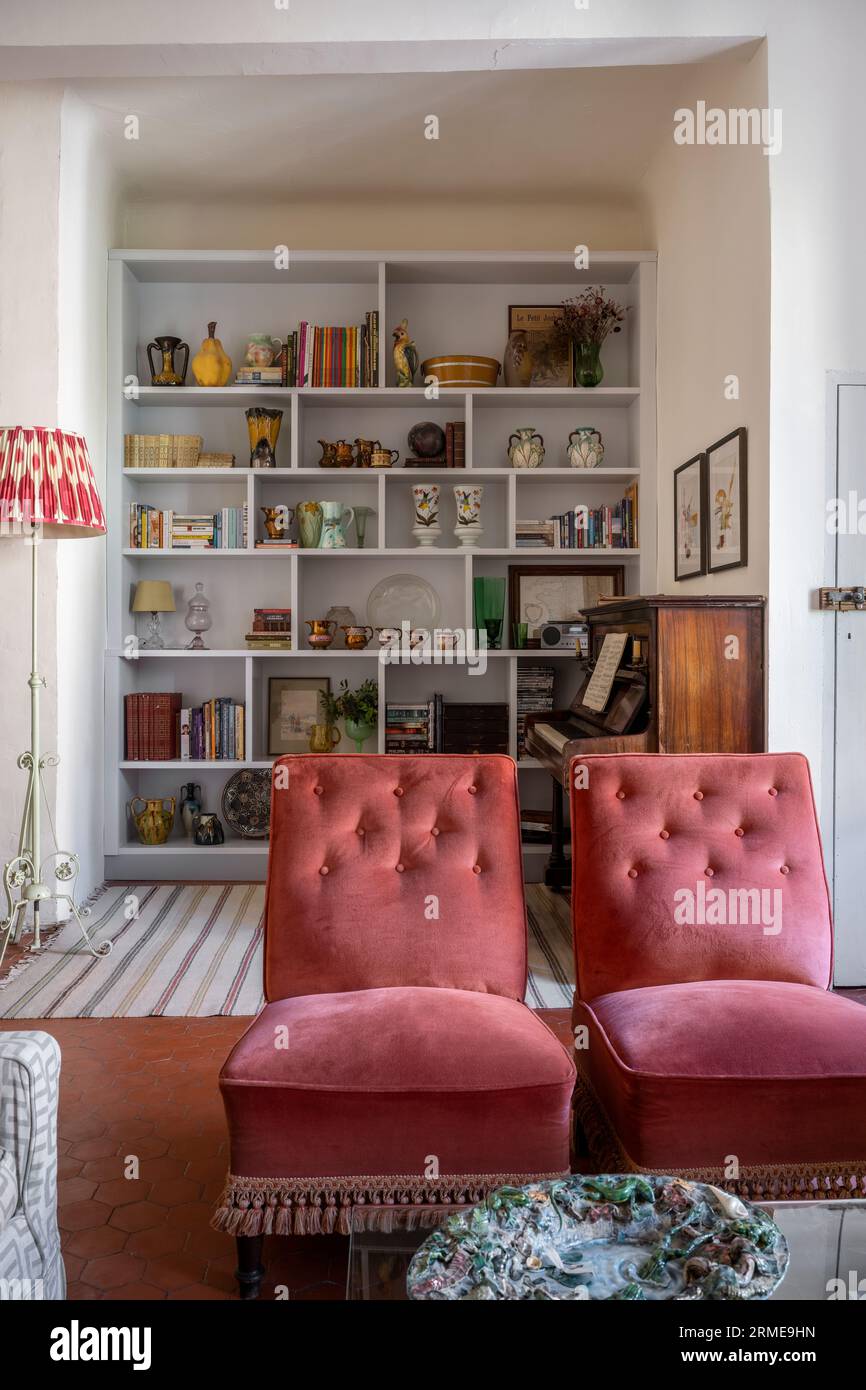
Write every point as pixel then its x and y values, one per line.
pixel 395 1064
pixel 709 1042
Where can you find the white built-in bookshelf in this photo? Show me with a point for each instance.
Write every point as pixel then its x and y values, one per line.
pixel 454 302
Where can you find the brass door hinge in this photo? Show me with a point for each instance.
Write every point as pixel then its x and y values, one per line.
pixel 844 600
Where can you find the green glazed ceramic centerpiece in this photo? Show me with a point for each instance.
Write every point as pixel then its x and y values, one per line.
pixel 612 1237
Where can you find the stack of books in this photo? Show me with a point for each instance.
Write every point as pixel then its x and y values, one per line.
pixel 281 543
pixel 535 535
pixel 214 730
pixel 534 696
pixel 455 444
pixel 326 356
pixel 260 376
pixel 152 529
pixel 536 827
pixel 271 628
pixel 414 728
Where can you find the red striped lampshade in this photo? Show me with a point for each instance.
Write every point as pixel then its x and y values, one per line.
pixel 46 479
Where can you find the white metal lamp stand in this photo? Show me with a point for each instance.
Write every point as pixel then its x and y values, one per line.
pixel 46 487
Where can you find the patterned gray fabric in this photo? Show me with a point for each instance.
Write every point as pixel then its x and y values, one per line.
pixel 31 1265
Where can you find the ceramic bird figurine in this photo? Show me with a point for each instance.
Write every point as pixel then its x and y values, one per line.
pixel 405 354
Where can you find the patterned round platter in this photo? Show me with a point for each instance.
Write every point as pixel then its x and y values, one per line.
pixel 617 1237
pixel 246 803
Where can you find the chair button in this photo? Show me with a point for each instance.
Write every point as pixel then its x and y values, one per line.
pixel 399 868
pixel 664 834
pixel 324 870
pixel 435 830
pixel 318 790
pixel 360 830
pixel 710 873
pixel 398 791
pixel 699 796
pixel 739 832
pixel 773 792
pixel 476 868
pixel 632 873
pixel 620 796
pixel 472 790
pixel 784 869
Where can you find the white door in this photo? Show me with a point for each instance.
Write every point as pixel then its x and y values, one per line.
pixel 849 846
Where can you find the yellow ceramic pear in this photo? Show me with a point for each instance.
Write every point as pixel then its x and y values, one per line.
pixel 212 365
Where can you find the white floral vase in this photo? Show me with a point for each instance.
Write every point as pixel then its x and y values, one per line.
pixel 425 498
pixel 585 447
pixel 468 502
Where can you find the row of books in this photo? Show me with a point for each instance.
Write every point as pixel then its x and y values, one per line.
pixel 583 528
pixel 534 696
pixel 415 728
pixel 321 355
pixel 161 450
pixel 153 529
pixel 271 629
pixel 158 728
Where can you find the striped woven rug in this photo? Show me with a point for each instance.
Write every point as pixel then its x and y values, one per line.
pixel 191 950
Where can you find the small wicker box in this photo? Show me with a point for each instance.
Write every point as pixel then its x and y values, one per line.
pixel 216 461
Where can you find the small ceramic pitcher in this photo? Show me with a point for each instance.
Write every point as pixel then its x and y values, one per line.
pixel 357 637
pixel 321 633
pixel 336 520
pixel 585 447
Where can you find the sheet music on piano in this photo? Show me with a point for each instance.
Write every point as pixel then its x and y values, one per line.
pixel 598 690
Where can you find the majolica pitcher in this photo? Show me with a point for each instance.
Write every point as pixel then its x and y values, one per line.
pixel 153 822
pixel 336 519
pixel 526 448
pixel 585 447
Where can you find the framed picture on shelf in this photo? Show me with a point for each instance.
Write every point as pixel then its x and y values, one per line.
pixel 293 709
pixel 726 503
pixel 539 594
pixel 536 354
pixel 690 506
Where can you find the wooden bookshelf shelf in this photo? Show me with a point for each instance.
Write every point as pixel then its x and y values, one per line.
pixel 453 301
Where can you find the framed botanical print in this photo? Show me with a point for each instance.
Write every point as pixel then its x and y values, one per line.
pixel 293 709
pixel 726 503
pixel 690 518
pixel 539 594
pixel 536 354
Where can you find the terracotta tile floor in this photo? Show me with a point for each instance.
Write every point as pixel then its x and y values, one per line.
pixel 147 1087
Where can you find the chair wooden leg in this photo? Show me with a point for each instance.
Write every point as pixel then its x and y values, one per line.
pixel 250 1270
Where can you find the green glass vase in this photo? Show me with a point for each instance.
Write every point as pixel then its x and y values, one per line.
pixel 588 370
pixel 359 733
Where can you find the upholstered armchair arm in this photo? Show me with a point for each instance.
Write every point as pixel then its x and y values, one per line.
pixel 29 1086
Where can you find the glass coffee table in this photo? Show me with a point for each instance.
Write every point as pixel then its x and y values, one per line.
pixel 827 1243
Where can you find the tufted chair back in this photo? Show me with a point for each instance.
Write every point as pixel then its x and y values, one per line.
pixel 387 870
pixel 654 835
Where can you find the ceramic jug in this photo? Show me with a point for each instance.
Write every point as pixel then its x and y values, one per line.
pixel 167 374
pixel 364 451
pixel 208 829
pixel 357 637
pixel 585 447
pixel 334 525
pixel 321 632
pixel 309 518
pixel 324 738
pixel 526 448
pixel 153 822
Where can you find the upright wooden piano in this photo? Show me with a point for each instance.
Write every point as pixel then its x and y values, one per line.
pixel 690 680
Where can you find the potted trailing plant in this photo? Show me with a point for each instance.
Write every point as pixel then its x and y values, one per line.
pixel 586 320
pixel 360 709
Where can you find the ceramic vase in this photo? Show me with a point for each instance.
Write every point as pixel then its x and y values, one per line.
pixel 425 499
pixel 309 517
pixel 585 447
pixel 190 806
pixel 526 448
pixel 468 502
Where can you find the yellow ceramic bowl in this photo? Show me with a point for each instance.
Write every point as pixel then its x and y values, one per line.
pixel 459 369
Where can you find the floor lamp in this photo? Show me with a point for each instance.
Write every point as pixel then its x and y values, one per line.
pixel 47 491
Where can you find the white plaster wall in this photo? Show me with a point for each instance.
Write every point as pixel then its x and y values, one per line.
pixel 29 199
pixel 86 230
pixel 709 215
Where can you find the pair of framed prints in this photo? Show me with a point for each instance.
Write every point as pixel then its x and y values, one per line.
pixel 710 509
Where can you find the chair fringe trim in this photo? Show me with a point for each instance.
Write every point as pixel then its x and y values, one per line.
pixel 764 1182
pixel 322 1206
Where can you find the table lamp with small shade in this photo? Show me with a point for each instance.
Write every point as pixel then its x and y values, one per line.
pixel 47 492
pixel 153 596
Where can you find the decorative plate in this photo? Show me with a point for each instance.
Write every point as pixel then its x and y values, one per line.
pixel 403 598
pixel 246 803
pixel 611 1237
